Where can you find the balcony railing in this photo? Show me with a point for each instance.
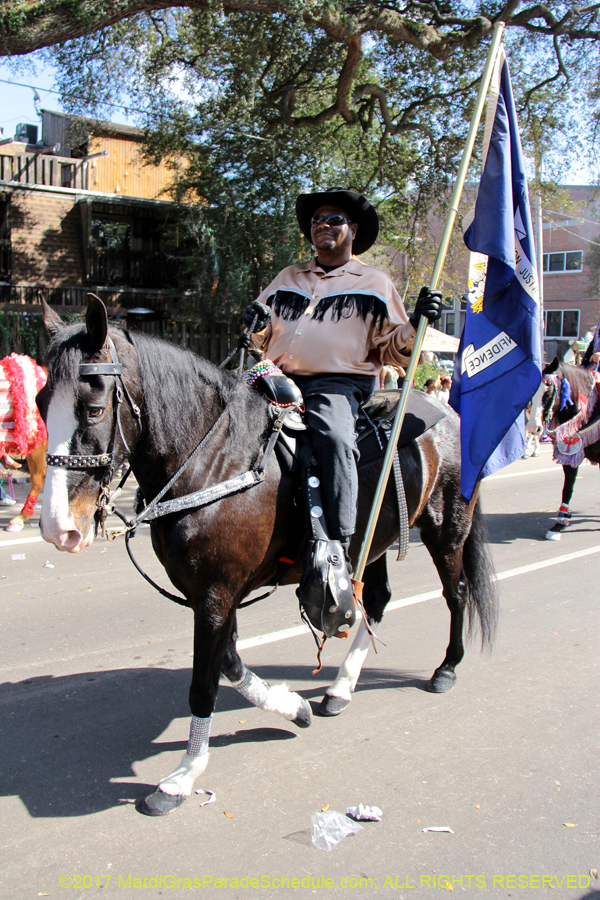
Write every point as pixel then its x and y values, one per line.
pixel 40 168
pixel 132 268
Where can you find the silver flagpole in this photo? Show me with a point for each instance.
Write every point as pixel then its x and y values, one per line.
pixel 437 271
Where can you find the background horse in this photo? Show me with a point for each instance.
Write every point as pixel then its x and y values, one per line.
pixel 217 555
pixel 22 430
pixel 566 391
pixel 534 426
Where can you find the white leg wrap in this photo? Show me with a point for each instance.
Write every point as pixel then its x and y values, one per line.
pixel 278 699
pixel 344 684
pixel 254 689
pixel 193 762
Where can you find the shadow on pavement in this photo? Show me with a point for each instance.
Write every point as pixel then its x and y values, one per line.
pixel 505 528
pixel 67 740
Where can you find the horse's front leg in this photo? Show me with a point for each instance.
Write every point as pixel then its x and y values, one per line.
pixel 376 596
pixel 278 698
pixel 211 634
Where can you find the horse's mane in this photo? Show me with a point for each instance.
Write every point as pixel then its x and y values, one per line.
pixel 179 388
pixel 579 379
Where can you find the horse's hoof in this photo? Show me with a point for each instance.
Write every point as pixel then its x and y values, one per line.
pixel 160 804
pixel 441 681
pixel 304 716
pixel 553 535
pixel 14 526
pixel 332 706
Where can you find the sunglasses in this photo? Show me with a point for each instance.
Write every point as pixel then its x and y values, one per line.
pixel 332 219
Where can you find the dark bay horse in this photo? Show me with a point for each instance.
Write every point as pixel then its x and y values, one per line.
pixel 566 388
pixel 217 555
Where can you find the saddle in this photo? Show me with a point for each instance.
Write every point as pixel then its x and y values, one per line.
pixel 325 591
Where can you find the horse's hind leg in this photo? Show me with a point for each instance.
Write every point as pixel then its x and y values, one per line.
pixel 36 462
pixel 466 572
pixel 455 591
pixel 278 699
pixel 376 596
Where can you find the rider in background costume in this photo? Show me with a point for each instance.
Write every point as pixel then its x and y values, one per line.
pixel 334 322
pixel 592 354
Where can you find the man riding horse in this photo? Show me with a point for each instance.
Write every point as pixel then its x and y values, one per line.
pixel 330 325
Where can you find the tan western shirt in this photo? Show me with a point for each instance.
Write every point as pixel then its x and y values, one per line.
pixel 345 340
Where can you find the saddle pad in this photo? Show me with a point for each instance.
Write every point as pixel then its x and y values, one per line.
pixel 422 413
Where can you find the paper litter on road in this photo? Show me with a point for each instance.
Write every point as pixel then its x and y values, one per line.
pixel 439 828
pixel 18 556
pixel 48 565
pixel 211 798
pixel 364 813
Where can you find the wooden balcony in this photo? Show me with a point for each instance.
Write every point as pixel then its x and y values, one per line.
pixel 41 168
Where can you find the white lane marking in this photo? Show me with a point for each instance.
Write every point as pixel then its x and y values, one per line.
pixel 532 567
pixel 13 543
pixel 421 598
pixel 555 468
pixel 275 636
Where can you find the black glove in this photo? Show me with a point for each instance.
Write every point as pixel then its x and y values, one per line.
pixel 244 341
pixel 257 309
pixel 429 304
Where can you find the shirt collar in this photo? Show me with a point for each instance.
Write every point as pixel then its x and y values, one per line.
pixel 354 266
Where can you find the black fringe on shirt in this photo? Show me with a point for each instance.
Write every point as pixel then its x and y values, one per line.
pixel 290 306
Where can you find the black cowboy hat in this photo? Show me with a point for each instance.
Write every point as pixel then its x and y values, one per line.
pixel 358 208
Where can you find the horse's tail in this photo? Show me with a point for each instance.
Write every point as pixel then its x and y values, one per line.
pixel 478 570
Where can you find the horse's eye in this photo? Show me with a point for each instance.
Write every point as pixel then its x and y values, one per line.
pixel 94 412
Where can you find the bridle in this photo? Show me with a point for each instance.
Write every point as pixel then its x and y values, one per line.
pixel 102 460
pixel 156 508
pixel 548 405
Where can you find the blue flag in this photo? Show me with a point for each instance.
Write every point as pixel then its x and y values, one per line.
pixel 499 362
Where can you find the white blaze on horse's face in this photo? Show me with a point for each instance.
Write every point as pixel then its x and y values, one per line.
pixel 534 424
pixel 60 523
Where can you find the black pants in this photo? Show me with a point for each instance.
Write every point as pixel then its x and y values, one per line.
pixel 332 403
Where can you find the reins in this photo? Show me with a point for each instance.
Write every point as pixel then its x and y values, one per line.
pixel 105 502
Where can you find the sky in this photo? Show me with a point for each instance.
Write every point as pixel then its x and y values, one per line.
pixel 17 105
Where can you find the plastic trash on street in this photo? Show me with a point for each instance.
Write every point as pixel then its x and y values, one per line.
pixel 330 827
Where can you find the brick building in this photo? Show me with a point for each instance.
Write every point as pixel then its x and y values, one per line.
pixel 571 298
pixel 79 211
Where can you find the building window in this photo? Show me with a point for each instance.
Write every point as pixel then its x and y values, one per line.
pixel 567 261
pixel 562 323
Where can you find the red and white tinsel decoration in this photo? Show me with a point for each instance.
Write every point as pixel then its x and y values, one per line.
pixel 21 426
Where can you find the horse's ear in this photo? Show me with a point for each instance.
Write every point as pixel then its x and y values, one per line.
pixel 52 320
pixel 96 322
pixel 551 367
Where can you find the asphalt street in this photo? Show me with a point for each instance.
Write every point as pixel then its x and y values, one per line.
pixel 95 671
